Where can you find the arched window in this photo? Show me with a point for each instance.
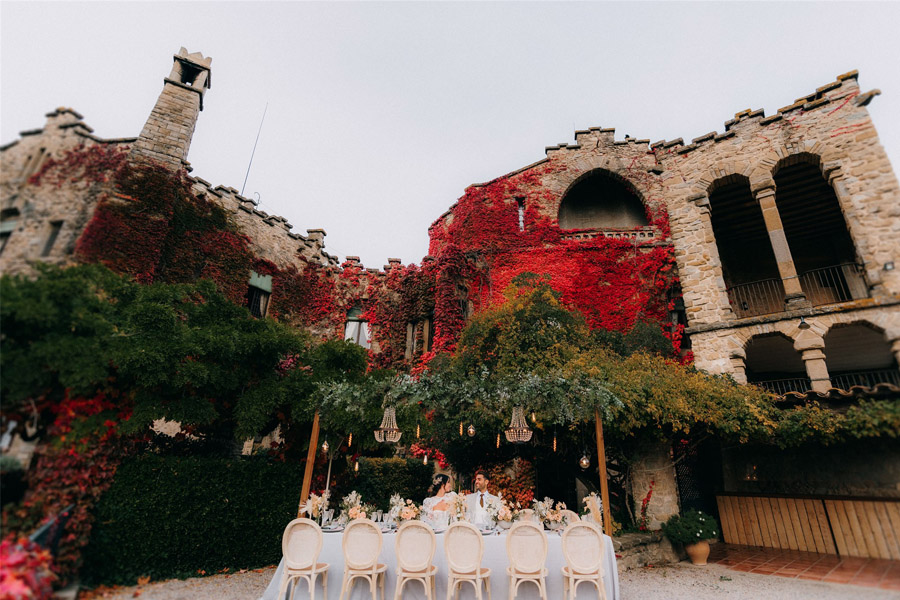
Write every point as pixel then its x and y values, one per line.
pixel 599 201
pixel 858 354
pixel 356 329
pixel 748 261
pixel 821 246
pixel 773 363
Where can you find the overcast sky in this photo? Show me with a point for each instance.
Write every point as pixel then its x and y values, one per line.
pixel 379 115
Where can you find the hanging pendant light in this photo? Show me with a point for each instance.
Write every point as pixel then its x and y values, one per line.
pixel 388 432
pixel 418 431
pixel 460 429
pixel 356 467
pixel 425 459
pixel 585 462
pixel 325 447
pixel 518 431
pixel 554 442
pixel 471 430
pixel 498 441
pixel 350 440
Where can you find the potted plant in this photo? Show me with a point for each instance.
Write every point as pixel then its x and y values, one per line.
pixel 692 529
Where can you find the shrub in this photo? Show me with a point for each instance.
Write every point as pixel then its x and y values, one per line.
pixel 691 527
pixel 167 516
pixel 25 571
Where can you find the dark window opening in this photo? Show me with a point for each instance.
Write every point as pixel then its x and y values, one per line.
pixel 520 203
pixel 257 301
pixel 774 364
pixel 55 228
pixel 9 219
pixel 4 237
pixel 601 200
pixel 823 251
pixel 189 74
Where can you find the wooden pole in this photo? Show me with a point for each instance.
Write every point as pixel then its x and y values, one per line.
pixel 604 485
pixel 310 462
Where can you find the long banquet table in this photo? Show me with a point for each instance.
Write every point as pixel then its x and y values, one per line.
pixel 494 558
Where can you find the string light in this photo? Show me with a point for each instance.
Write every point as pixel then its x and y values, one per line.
pixel 418 431
pixel 554 442
pixel 350 440
pixel 356 467
pixel 460 428
pixel 498 440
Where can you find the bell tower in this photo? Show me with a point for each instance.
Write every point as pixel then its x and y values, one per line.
pixel 166 136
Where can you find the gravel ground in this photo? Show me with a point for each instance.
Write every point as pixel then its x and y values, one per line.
pixel 678 582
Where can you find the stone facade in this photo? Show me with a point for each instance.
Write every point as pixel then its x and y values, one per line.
pixel 828 131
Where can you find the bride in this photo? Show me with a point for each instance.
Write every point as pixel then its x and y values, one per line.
pixel 437 506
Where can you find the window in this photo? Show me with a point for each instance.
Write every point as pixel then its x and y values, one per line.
pixel 9 218
pixel 259 291
pixel 356 329
pixel 55 227
pixel 419 337
pixel 520 202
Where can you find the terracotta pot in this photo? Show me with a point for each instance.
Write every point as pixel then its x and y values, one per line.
pixel 698 552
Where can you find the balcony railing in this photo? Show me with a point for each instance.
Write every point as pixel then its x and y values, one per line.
pixel 830 285
pixel 644 234
pixel 845 381
pixel 783 386
pixel 757 298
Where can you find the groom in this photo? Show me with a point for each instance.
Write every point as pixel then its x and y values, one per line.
pixel 477 502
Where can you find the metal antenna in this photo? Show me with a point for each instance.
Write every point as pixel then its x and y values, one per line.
pixel 254 148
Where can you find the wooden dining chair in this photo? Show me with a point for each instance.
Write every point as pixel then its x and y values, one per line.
pixel 361 545
pixel 526 546
pixel 464 547
pixel 570 516
pixel 582 546
pixel 301 545
pixel 415 547
pixel 528 514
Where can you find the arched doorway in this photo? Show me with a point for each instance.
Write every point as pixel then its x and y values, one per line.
pixel 774 364
pixel 858 354
pixel 601 200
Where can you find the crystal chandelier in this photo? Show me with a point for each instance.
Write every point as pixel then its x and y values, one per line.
pixel 388 432
pixel 518 432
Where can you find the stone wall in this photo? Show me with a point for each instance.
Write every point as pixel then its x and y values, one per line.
pixel 653 463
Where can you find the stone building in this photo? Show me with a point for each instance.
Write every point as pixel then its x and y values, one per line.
pixel 785 231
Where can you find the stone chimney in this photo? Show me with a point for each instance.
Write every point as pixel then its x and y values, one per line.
pixel 166 136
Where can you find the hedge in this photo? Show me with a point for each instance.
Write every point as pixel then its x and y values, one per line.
pixel 173 516
pixel 378 478
pixel 169 516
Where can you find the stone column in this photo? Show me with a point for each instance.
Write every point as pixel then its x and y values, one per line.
pixel 708 241
pixel 654 463
pixel 739 366
pixel 764 192
pixel 895 349
pixel 811 346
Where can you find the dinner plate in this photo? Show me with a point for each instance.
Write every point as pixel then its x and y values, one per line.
pixel 332 529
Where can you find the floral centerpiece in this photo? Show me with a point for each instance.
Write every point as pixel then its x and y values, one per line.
pixel 397 505
pixel 316 505
pixel 550 512
pixel 352 507
pixel 410 511
pixel 502 512
pixel 692 529
pixel 593 506
pixel 458 508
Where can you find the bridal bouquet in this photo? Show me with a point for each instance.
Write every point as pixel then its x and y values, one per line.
pixel 316 505
pixel 458 508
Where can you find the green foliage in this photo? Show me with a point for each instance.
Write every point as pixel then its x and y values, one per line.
pixel 182 352
pixel 691 527
pixel 174 516
pixel 378 478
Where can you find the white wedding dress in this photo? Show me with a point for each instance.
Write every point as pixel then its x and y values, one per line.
pixel 437 518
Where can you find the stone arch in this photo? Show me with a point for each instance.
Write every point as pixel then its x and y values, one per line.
pixel 749 266
pixel 858 352
pixel 771 361
pixel 818 235
pixel 602 198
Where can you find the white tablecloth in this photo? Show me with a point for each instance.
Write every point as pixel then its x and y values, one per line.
pixel 494 558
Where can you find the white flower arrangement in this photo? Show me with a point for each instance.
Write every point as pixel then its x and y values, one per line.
pixel 352 507
pixel 458 507
pixel 501 510
pixel 396 505
pixel 316 505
